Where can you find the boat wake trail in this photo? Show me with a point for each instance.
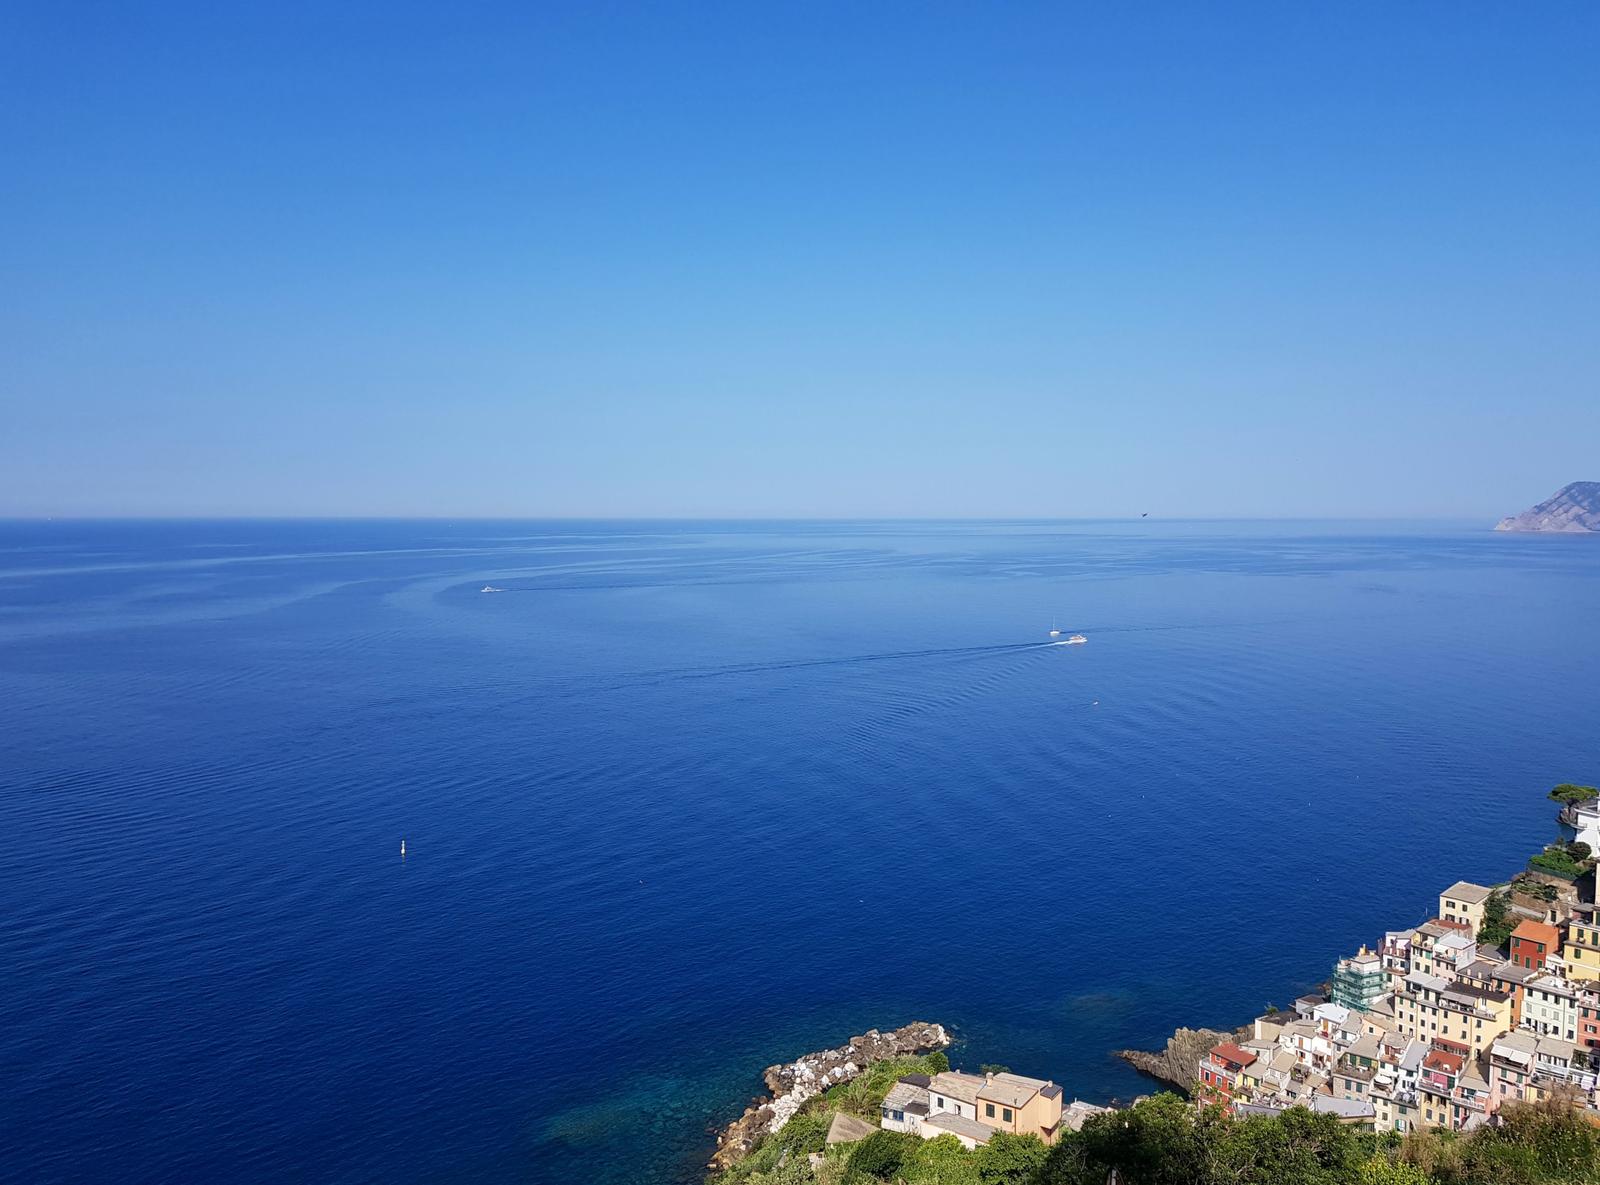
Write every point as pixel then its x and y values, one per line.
pixel 751 668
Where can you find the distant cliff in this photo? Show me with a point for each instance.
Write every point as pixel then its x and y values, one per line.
pixel 1572 509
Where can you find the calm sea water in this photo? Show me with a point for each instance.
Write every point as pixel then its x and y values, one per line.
pixel 689 798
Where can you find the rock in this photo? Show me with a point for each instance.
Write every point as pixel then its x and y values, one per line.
pixel 1573 509
pixel 1179 1063
pixel 793 1083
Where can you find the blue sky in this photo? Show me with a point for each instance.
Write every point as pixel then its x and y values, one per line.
pixel 767 259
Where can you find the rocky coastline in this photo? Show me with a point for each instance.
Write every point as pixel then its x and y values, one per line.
pixel 1176 1063
pixel 791 1083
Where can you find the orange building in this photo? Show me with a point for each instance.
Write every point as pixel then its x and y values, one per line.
pixel 1533 943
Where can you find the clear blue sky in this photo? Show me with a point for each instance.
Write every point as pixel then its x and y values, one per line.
pixel 809 259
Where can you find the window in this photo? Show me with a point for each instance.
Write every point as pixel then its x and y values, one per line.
pixel 1005 1113
pixel 988 1110
pixel 937 1101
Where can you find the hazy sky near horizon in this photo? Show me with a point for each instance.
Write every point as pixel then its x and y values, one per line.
pixel 798 259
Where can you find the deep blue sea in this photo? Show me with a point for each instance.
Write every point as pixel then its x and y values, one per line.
pixel 686 799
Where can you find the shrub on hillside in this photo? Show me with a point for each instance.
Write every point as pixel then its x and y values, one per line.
pixel 882 1153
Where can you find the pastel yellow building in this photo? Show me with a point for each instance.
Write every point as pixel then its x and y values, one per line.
pixel 1024 1106
pixel 1582 950
pixel 1430 1008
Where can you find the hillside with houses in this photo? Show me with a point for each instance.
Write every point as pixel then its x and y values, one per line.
pixel 1464 1050
pixel 1493 1000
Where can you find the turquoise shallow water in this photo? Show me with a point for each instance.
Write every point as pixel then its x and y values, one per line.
pixel 688 798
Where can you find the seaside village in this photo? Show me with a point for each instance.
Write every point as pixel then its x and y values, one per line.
pixel 1495 999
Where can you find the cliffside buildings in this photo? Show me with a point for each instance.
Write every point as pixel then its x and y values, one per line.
pixel 972 1107
pixel 1435 1027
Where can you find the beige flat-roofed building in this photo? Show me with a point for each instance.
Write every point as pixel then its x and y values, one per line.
pixel 1463 902
pixel 954 1093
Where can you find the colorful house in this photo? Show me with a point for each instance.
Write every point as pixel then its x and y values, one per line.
pixel 1582 948
pixel 1550 1008
pixel 1534 943
pixel 1221 1067
pixel 1022 1106
pixel 1511 1065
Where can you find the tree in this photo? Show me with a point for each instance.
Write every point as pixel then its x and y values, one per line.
pixel 1158 1141
pixel 1496 928
pixel 993 1068
pixel 1567 792
pixel 938 1063
pixel 1011 1159
pixel 1545 1141
pixel 882 1153
pixel 1579 851
pixel 942 1161
pixel 1295 1148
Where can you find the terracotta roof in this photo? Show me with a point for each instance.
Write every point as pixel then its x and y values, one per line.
pixel 1228 1051
pixel 1438 1059
pixel 1532 931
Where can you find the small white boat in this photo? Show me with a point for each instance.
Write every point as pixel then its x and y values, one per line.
pixel 1054 633
pixel 491 588
pixel 1076 640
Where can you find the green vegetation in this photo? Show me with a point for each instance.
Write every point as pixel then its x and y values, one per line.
pixel 1524 883
pixel 1165 1141
pixel 780 1159
pixel 1567 792
pixel 882 1155
pixel 1496 928
pixel 1563 860
pixel 863 1094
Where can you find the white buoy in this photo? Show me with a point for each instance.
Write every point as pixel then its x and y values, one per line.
pixel 402 848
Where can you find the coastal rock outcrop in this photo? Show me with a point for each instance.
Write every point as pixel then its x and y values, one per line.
pixel 792 1083
pixel 1573 509
pixel 1179 1062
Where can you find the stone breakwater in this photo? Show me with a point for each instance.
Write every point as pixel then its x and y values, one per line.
pixel 792 1083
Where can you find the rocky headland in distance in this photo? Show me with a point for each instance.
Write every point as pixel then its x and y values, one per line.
pixel 1573 509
